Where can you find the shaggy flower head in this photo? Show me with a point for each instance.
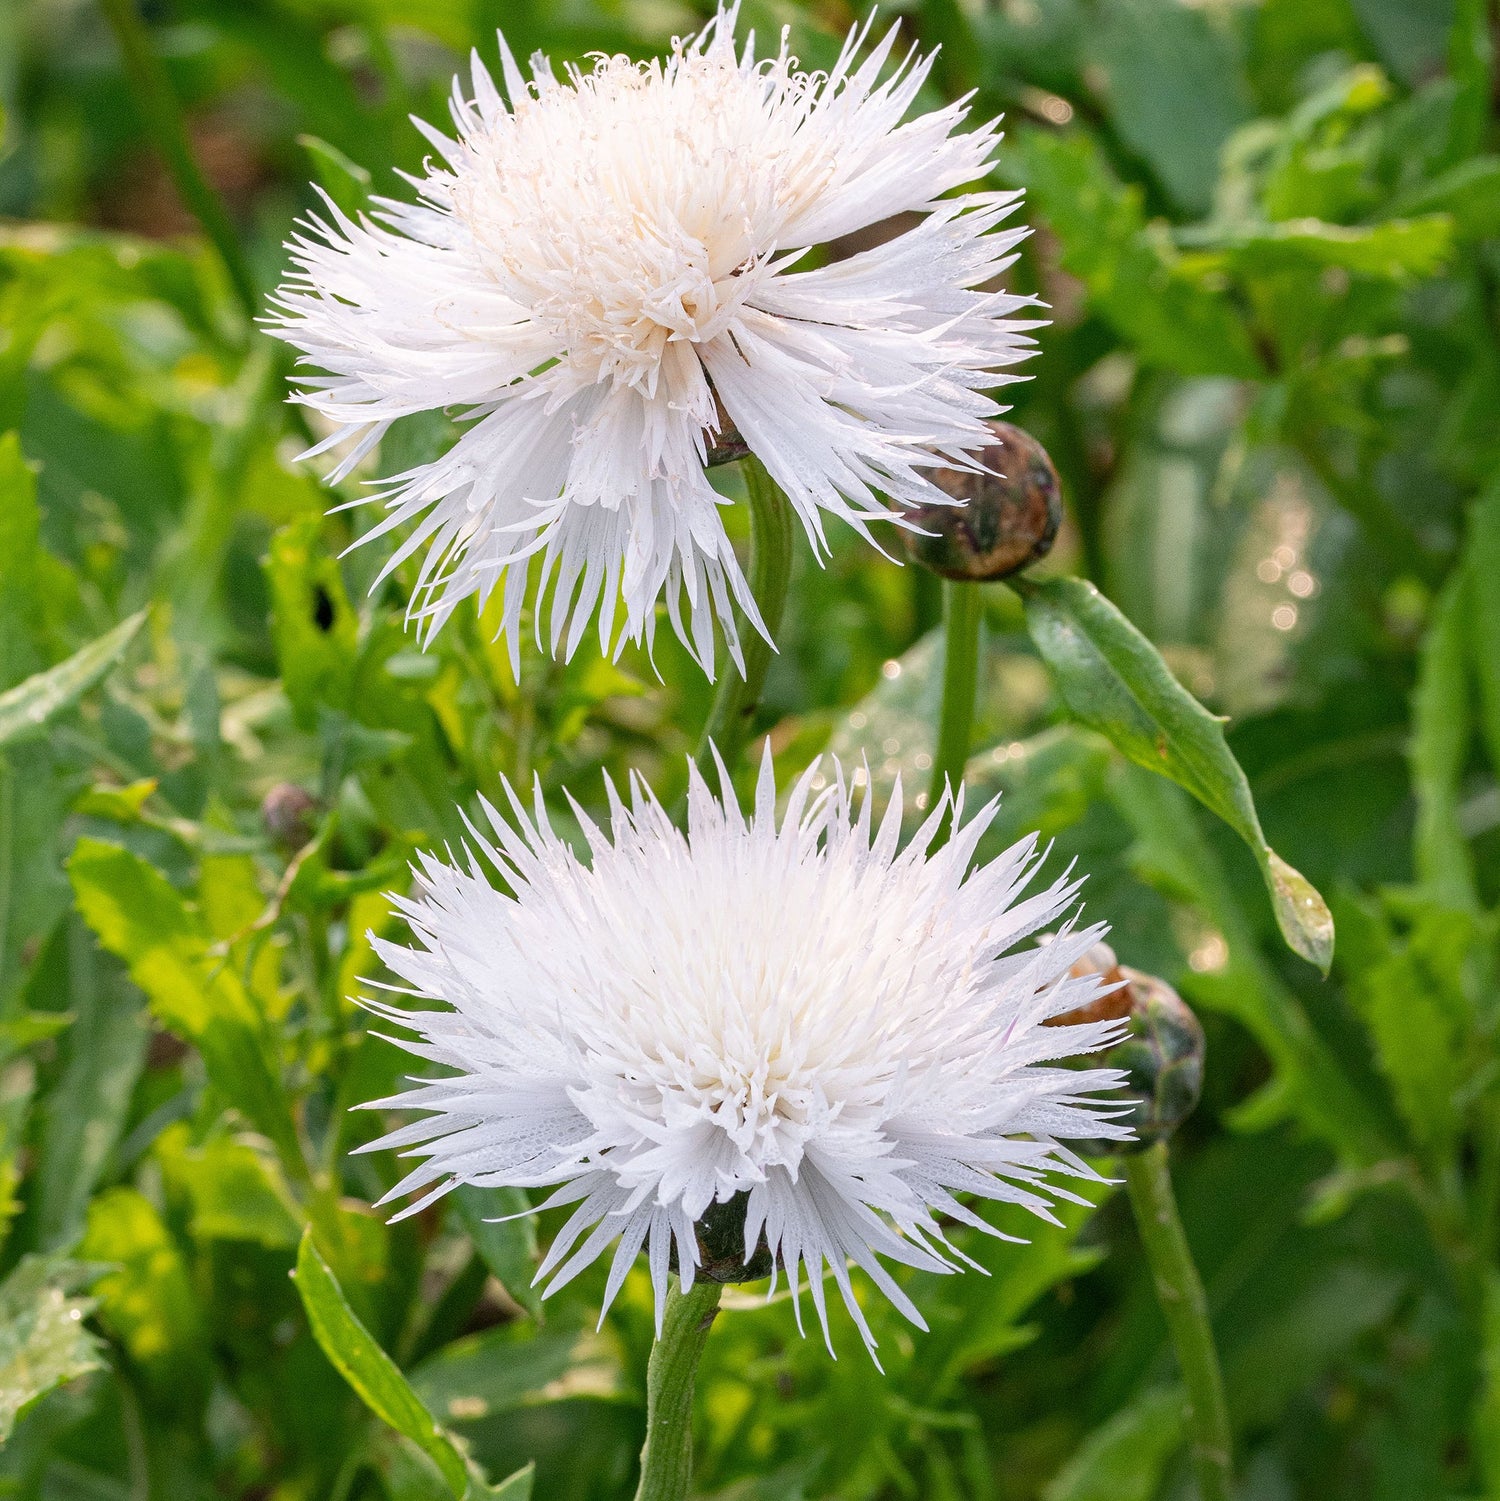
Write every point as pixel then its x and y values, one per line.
pixel 792 1011
pixel 600 277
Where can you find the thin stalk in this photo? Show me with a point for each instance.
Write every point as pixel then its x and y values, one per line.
pixel 738 697
pixel 1179 1290
pixel 962 610
pixel 159 105
pixel 667 1455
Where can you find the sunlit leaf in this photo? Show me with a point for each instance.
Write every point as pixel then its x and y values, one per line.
pixel 43 1339
pixel 194 992
pixel 146 1298
pixel 368 1369
pixel 30 706
pixel 1114 681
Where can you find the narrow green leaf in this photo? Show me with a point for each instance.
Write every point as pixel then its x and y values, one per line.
pixel 1442 728
pixel 340 176
pixel 1482 613
pixel 313 622
pixel 1125 1458
pixel 235 1190
pixel 20 587
pixel 508 1246
pixel 1397 250
pixel 1113 680
pixel 85 1112
pixel 353 1352
pixel 515 1487
pixel 1469 192
pixel 1487 1407
pixel 147 1300
pixel 43 1342
pixel 1176 89
pixel 1413 993
pixel 194 992
pixel 30 706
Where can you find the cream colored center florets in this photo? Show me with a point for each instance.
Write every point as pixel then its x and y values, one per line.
pixel 758 1111
pixel 632 209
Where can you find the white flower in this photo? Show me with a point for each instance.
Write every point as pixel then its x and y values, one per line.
pixel 845 1034
pixel 603 269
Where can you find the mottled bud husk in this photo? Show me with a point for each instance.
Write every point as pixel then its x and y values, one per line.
pixel 1161 1054
pixel 289 814
pixel 1011 518
pixel 721 1245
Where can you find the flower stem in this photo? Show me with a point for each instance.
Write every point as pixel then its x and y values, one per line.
pixel 667 1455
pixel 738 697
pixel 962 610
pixel 159 105
pixel 1179 1290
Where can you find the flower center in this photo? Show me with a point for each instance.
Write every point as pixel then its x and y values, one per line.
pixel 762 1112
pixel 630 211
pixel 617 309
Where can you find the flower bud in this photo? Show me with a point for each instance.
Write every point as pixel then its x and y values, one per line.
pixel 288 813
pixel 1161 1054
pixel 720 1232
pixel 1011 517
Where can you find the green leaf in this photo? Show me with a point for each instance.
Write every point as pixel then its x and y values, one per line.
pixel 516 1487
pixel 1134 276
pixel 1482 614
pixel 194 992
pixel 119 804
pixel 235 1191
pixel 1487 1407
pixel 314 625
pixel 1126 1457
pixel 147 1300
pixel 20 597
pixel 1468 193
pixel 342 178
pixel 28 708
pixel 506 1367
pixel 43 1341
pixel 1398 249
pixel 1442 729
pixel 508 1246
pixel 353 1352
pixel 1312 1080
pixel 1175 89
pixel 1114 681
pixel 85 1112
pixel 1412 994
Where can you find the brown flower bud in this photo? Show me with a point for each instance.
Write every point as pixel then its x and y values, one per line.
pixel 1161 1054
pixel 1011 517
pixel 289 813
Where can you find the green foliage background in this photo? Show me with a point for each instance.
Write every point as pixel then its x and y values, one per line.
pixel 1269 231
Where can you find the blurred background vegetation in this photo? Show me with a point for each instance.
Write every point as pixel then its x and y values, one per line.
pixel 1269 233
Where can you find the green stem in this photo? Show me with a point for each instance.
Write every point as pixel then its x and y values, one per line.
pixel 1179 1290
pixel 962 610
pixel 163 115
pixel 667 1455
pixel 738 697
